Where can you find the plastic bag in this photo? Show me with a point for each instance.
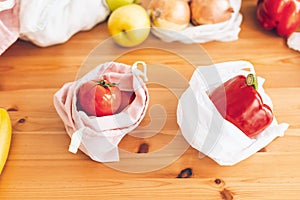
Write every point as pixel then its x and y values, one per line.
pixel 49 22
pixel 224 31
pixel 205 128
pixel 98 137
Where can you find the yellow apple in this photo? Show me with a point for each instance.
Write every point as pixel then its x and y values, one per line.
pixel 114 4
pixel 129 25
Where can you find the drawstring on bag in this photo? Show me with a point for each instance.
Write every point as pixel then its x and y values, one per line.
pixel 76 140
pixel 136 71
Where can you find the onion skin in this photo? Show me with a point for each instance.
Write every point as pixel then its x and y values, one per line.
pixel 170 14
pixel 210 11
pixel 143 3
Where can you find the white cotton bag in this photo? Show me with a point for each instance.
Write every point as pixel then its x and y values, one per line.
pixel 205 128
pixel 98 137
pixel 224 31
pixel 49 22
pixel 9 24
pixel 293 41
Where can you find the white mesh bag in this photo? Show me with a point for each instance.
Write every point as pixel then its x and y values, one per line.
pixel 98 137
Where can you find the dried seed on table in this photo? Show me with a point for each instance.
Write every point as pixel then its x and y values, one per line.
pixel 143 148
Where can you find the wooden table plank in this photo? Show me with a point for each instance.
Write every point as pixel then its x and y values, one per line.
pixel 161 188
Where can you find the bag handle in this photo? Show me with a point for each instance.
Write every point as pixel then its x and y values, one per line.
pixel 76 139
pixel 6 5
pixel 138 72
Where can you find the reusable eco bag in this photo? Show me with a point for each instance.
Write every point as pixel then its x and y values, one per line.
pixel 224 31
pixel 9 24
pixel 205 128
pixel 98 137
pixel 293 41
pixel 49 22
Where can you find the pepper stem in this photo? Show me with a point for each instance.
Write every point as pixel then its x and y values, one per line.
pixel 251 80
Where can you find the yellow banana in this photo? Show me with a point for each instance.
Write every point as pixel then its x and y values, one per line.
pixel 5 136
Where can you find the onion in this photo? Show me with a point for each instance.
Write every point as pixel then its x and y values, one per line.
pixel 170 14
pixel 210 11
pixel 143 3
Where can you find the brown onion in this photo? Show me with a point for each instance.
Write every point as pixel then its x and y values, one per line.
pixel 169 14
pixel 143 3
pixel 210 11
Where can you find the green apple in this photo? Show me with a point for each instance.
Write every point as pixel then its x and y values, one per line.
pixel 129 25
pixel 114 4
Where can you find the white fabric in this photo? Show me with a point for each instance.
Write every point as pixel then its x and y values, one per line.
pixel 49 22
pixel 98 137
pixel 9 24
pixel 7 4
pixel 224 31
pixel 204 127
pixel 294 41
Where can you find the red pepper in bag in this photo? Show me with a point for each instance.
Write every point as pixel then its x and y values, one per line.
pixel 238 102
pixel 282 15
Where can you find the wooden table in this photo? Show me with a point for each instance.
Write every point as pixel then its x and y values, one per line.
pixel 39 164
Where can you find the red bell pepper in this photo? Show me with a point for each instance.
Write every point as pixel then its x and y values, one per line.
pixel 238 101
pixel 282 15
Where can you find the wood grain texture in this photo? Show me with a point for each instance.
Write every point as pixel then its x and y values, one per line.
pixel 39 164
